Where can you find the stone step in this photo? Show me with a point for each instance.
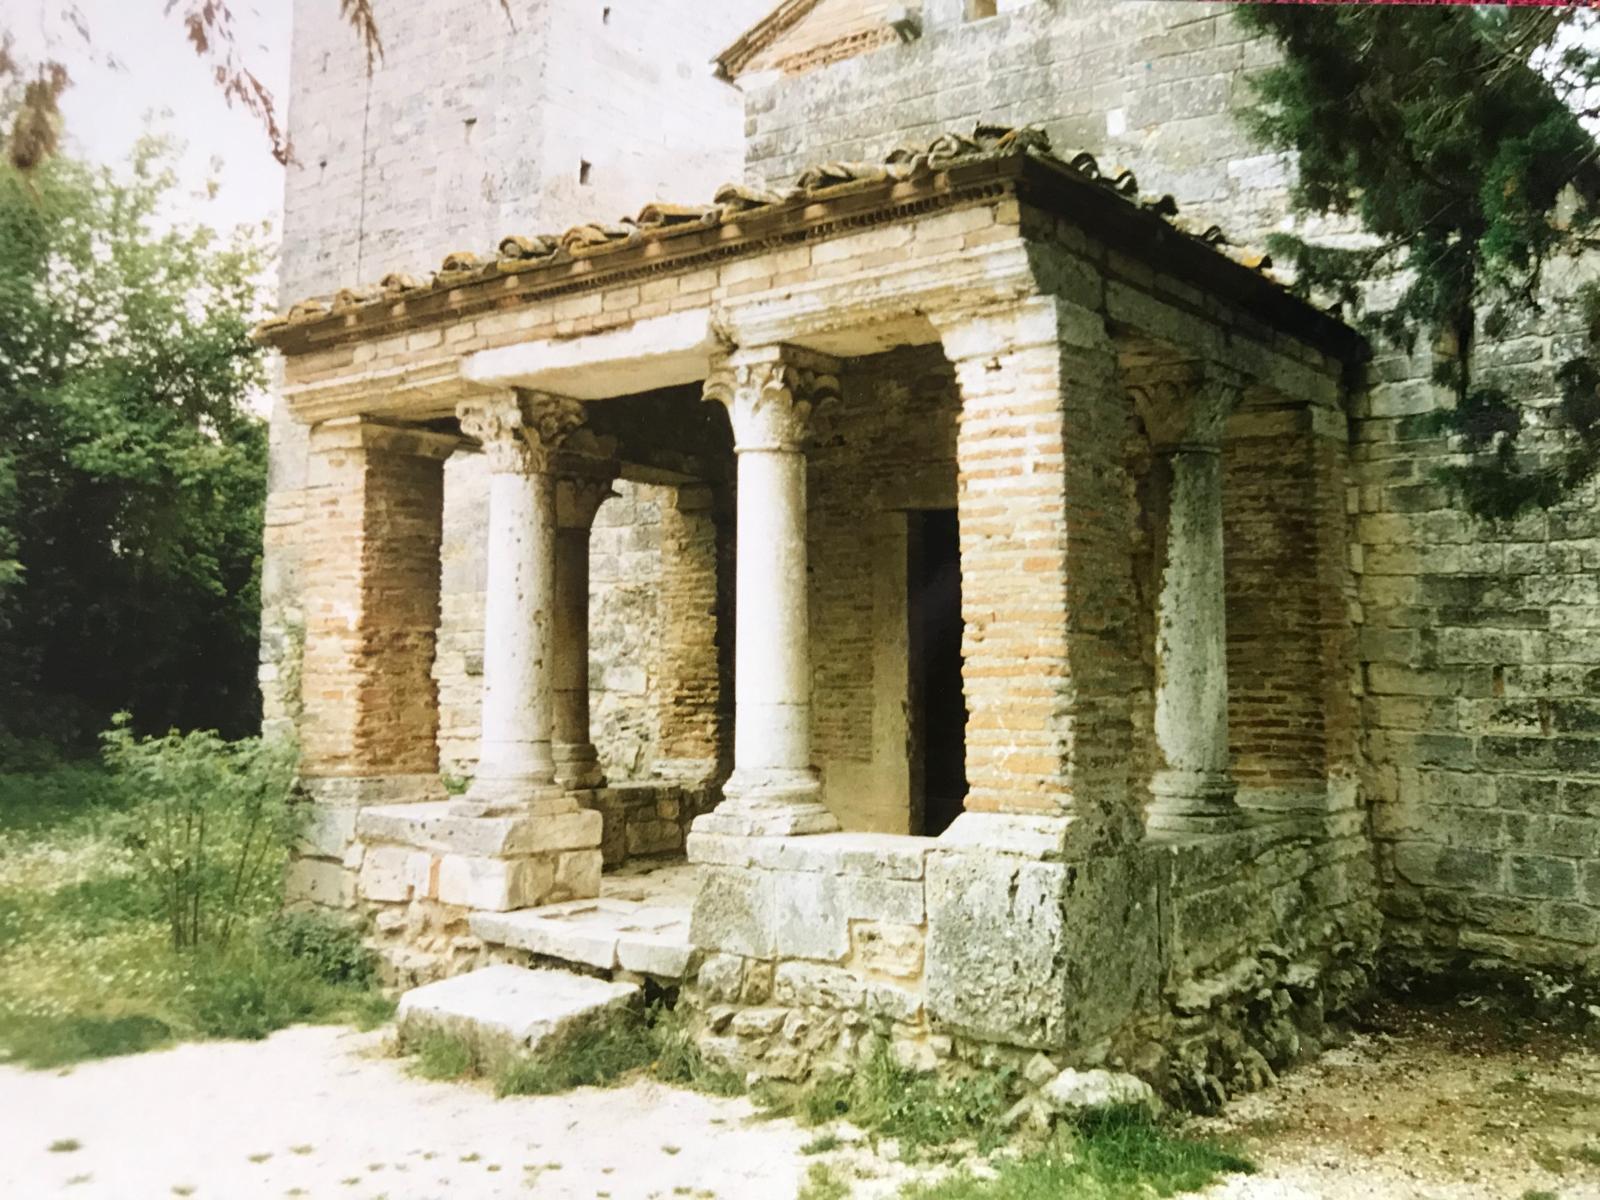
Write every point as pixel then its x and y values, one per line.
pixel 609 933
pixel 505 1010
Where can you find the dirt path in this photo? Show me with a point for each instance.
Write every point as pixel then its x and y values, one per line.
pixel 1430 1106
pixel 1444 1104
pixel 311 1112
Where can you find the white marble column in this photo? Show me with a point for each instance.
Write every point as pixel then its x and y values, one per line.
pixel 516 767
pixel 578 499
pixel 1193 788
pixel 774 788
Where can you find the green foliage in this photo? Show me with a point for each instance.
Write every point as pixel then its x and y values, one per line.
pixel 210 821
pixel 90 965
pixel 1448 134
pixel 1117 1156
pixel 926 1112
pixel 330 946
pixel 132 470
pixel 248 990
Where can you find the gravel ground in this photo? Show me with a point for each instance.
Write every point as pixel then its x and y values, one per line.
pixel 1430 1104
pixel 1425 1105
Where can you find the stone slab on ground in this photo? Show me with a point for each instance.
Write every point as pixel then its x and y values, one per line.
pixel 508 1010
pixel 608 933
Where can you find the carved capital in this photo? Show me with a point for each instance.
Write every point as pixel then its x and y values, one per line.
pixel 519 431
pixel 1186 408
pixel 770 396
pixel 579 497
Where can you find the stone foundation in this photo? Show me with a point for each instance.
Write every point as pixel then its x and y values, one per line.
pixel 1204 964
pixel 647 819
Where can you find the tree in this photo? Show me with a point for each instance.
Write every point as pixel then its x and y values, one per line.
pixel 132 468
pixel 1455 136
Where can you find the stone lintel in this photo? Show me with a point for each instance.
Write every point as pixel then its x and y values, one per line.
pixel 651 353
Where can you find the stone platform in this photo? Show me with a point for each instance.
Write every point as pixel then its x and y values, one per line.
pixel 639 925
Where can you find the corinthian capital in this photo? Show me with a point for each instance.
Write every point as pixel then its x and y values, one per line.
pixel 1186 406
pixel 519 430
pixel 770 395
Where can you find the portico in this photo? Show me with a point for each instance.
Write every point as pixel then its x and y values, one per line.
pixel 975 327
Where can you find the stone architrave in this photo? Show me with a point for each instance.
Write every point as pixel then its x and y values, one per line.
pixel 520 432
pixel 1186 416
pixel 578 499
pixel 770 394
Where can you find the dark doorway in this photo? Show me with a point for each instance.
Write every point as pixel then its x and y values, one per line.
pixel 938 707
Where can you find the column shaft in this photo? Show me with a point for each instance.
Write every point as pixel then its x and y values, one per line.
pixel 774 789
pixel 577 501
pixel 1192 789
pixel 516 764
pixel 518 603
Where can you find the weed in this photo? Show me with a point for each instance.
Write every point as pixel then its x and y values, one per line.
pixel 672 1149
pixel 1539 1194
pixel 1115 1156
pixel 594 1058
pixel 443 1056
pixel 676 1059
pixel 1587 1154
pixel 822 1144
pixel 823 1183
pixel 64 1146
pixel 330 946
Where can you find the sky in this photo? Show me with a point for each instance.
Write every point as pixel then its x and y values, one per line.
pixel 106 108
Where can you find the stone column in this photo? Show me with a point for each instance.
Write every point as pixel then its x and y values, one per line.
pixel 1192 790
pixel 774 789
pixel 578 498
pixel 516 764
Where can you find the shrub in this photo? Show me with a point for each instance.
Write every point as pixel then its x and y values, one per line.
pixel 329 945
pixel 210 821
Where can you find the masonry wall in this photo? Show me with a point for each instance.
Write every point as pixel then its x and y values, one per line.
pixel 1478 674
pixel 886 448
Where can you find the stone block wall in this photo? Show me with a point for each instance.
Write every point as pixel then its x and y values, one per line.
pixel 1205 966
pixel 1481 716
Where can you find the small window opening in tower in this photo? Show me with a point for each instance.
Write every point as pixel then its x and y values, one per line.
pixel 605 16
pixel 977 10
pixel 583 170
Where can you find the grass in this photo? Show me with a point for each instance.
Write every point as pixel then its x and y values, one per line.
pixel 822 1182
pixel 1118 1156
pixel 927 1113
pixel 90 970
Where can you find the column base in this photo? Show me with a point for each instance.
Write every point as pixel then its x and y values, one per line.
pixel 510 797
pixel 1193 802
pixel 770 803
pixel 578 766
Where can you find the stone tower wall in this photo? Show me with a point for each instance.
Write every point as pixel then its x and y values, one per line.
pixel 1479 647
